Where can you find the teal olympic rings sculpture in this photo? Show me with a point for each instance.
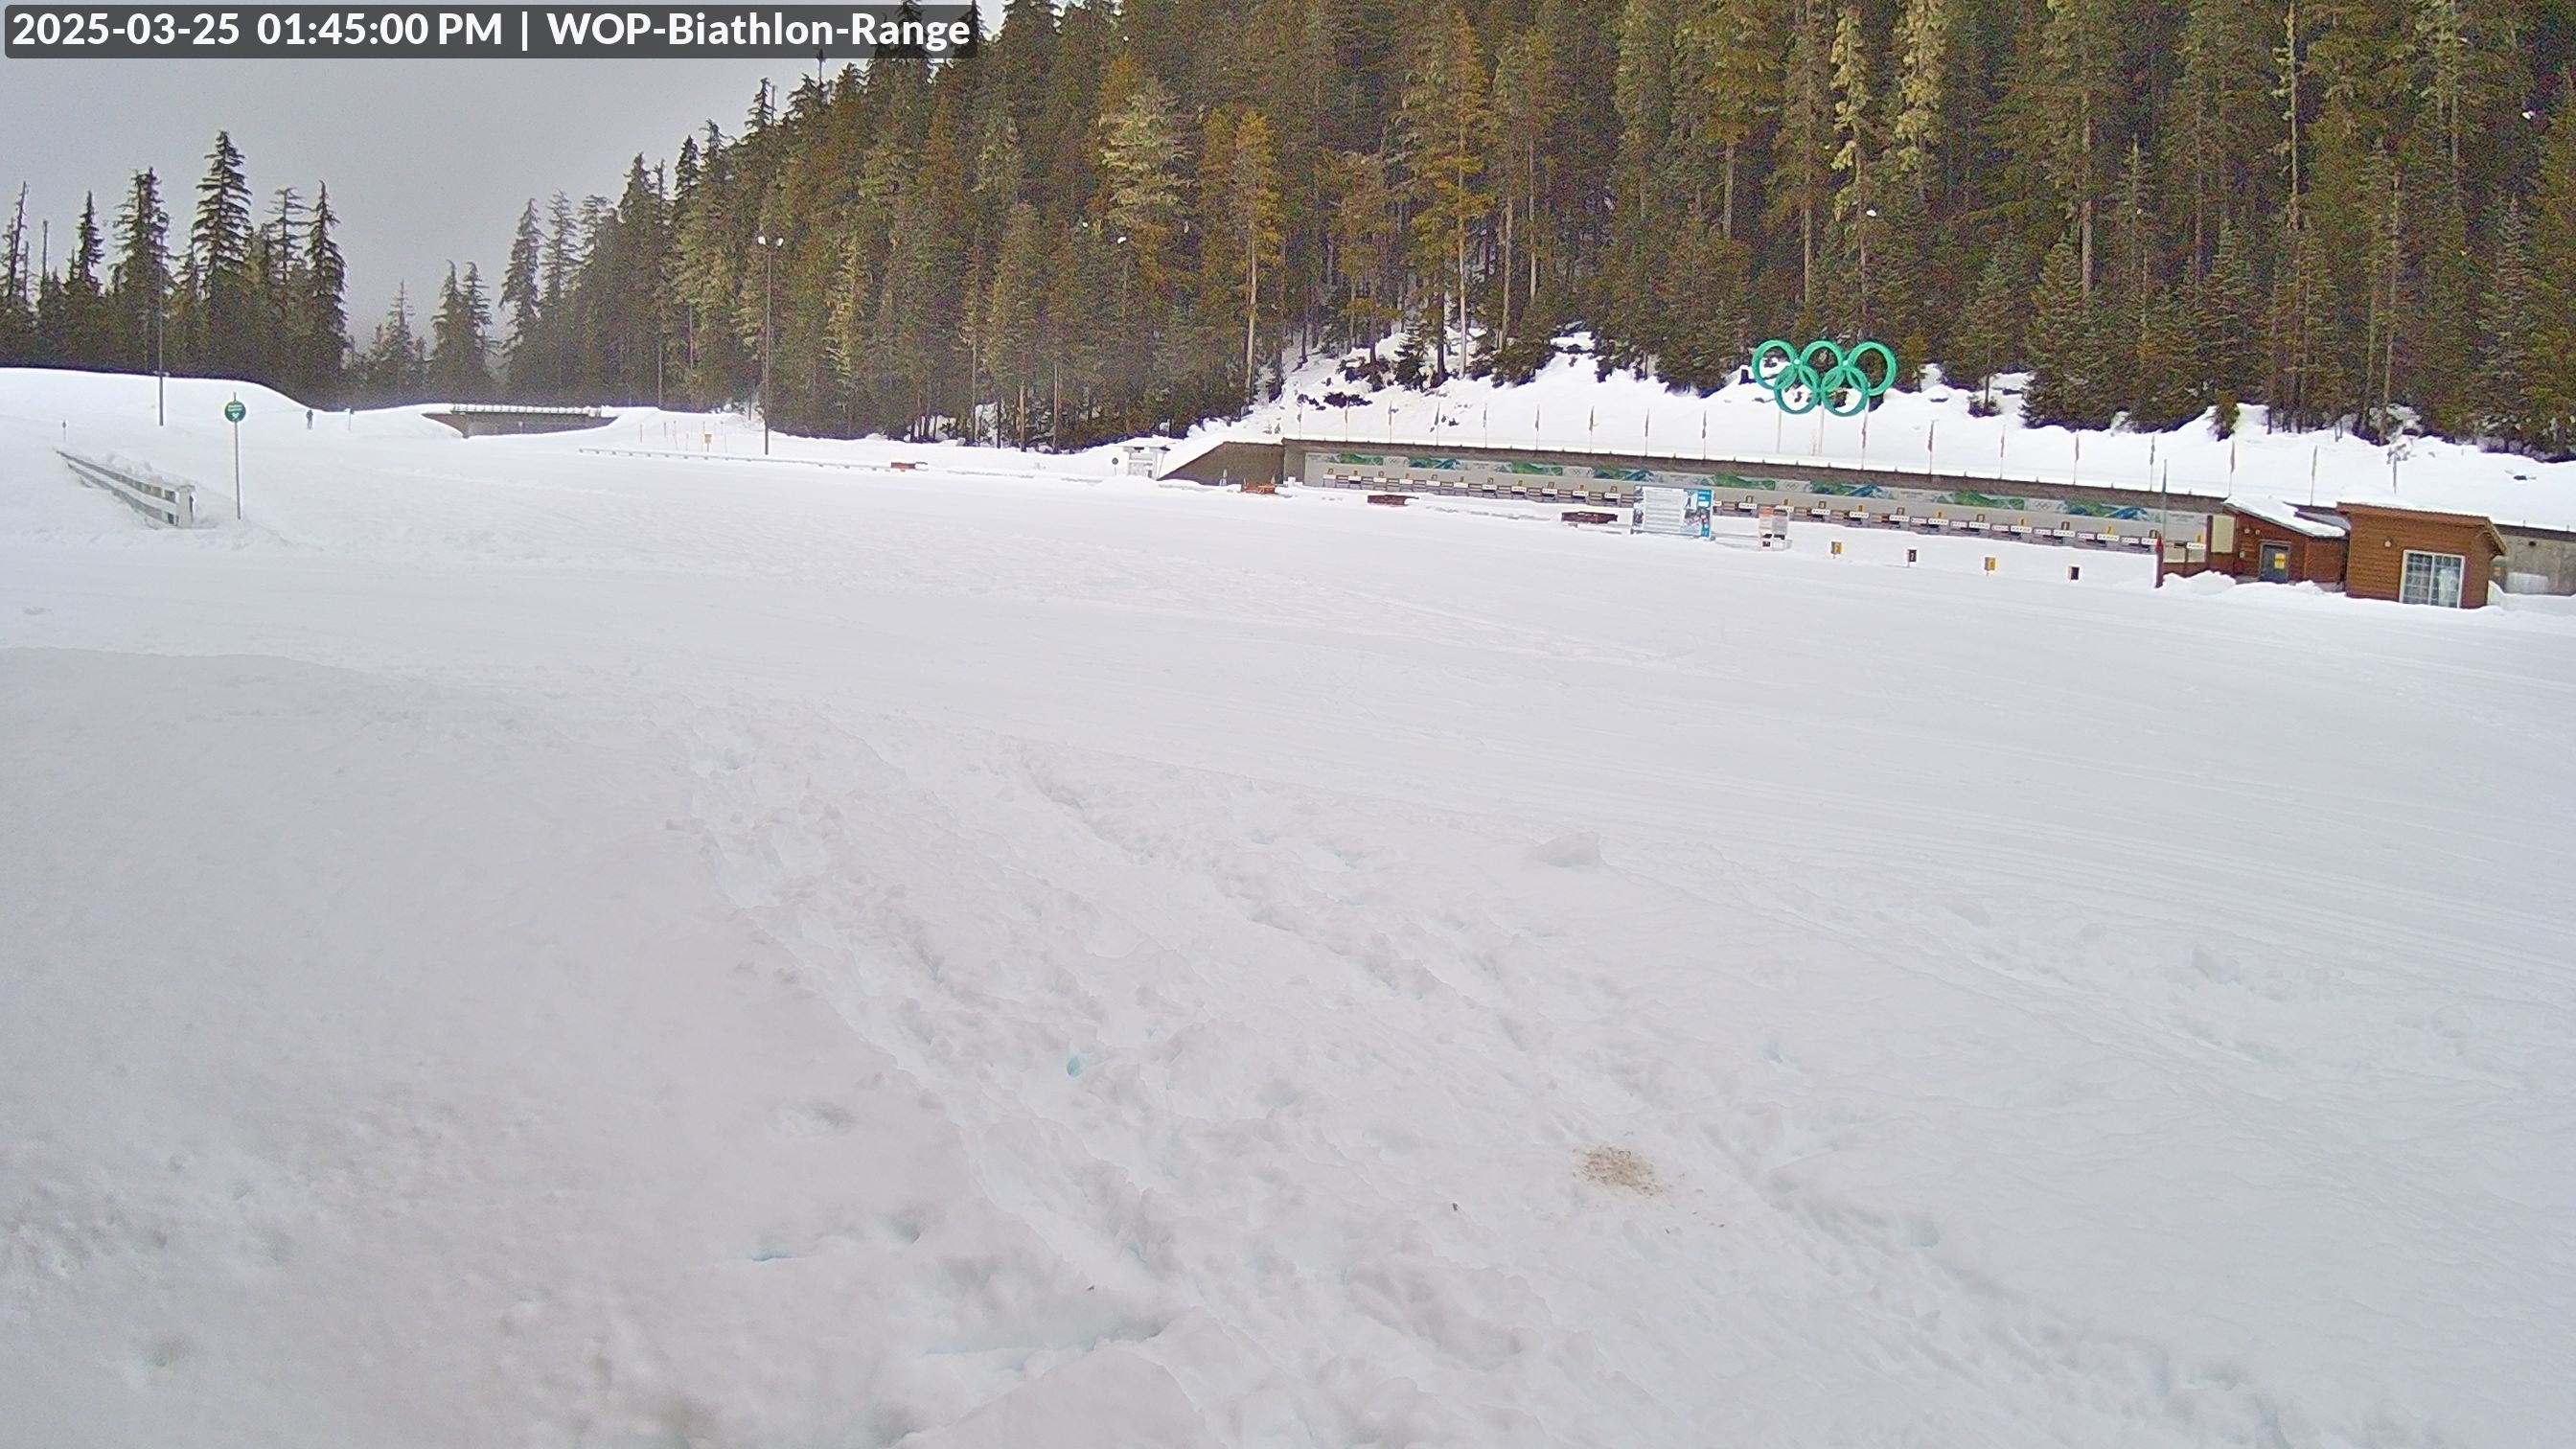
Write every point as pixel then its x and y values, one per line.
pixel 1822 374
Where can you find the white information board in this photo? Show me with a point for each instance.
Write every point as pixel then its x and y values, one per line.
pixel 1683 512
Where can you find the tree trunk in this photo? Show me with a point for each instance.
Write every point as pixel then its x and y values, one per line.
pixel 1462 287
pixel 1251 309
pixel 1726 211
pixel 1806 261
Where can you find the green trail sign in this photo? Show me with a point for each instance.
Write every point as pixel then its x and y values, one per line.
pixel 234 412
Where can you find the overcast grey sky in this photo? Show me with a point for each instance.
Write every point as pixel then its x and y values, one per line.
pixel 427 160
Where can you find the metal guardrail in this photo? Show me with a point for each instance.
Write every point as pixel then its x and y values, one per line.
pixel 162 500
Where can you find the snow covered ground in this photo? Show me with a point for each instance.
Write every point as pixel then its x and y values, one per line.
pixel 515 945
pixel 1568 406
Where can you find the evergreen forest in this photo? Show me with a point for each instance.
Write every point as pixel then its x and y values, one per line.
pixel 1121 218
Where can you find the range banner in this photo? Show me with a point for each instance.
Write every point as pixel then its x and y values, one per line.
pixel 489 32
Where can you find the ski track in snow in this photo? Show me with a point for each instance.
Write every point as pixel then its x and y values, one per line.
pixel 1188 1122
pixel 689 953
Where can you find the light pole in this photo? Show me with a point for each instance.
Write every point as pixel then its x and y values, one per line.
pixel 1868 214
pixel 769 246
pixel 160 369
pixel 1126 397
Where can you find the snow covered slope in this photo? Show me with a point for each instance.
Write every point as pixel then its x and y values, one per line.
pixel 1569 406
pixel 516 945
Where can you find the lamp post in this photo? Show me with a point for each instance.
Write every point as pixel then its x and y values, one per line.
pixel 1868 214
pixel 769 246
pixel 160 368
pixel 1126 396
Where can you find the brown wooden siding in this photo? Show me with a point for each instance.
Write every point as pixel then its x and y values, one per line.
pixel 2381 539
pixel 2312 560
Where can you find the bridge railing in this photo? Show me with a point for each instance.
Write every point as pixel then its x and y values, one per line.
pixel 163 500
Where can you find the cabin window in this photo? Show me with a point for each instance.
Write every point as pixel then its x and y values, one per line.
pixel 2432 578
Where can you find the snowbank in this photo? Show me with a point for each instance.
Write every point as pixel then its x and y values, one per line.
pixel 513 944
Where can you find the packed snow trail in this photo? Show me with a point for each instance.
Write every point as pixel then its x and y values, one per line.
pixel 527 947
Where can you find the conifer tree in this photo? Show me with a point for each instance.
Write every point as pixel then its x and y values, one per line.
pixel 459 358
pixel 2067 381
pixel 2220 142
pixel 139 286
pixel 1926 41
pixel 181 327
pixel 926 282
pixel 1902 306
pixel 2436 377
pixel 1700 294
pixel 322 325
pixel 2292 327
pixel 618 299
pixel 2076 94
pixel 702 277
pixel 1525 107
pixel 2322 309
pixel 2509 356
pixel 277 294
pixel 1363 236
pixel 87 336
pixel 1444 120
pixel 51 345
pixel 2127 262
pixel 2163 394
pixel 1254 228
pixel 2232 318
pixel 1011 315
pixel 1989 339
pixel 2552 289
pixel 1139 157
pixel 520 283
pixel 1642 189
pixel 222 339
pixel 2295 224
pixel 562 250
pixel 1073 337
pixel 852 312
pixel 1855 117
pixel 1802 176
pixel 913 342
pixel 393 367
pixel 17 308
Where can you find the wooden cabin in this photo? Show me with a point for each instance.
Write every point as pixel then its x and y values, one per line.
pixel 2416 556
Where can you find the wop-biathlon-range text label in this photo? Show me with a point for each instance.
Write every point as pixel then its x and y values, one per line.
pixel 551 32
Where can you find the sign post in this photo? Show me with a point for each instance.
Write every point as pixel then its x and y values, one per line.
pixel 234 412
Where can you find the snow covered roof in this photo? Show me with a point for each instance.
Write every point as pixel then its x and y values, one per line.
pixel 2381 509
pixel 2285 515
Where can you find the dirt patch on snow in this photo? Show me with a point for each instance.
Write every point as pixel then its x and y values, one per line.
pixel 1620 1168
